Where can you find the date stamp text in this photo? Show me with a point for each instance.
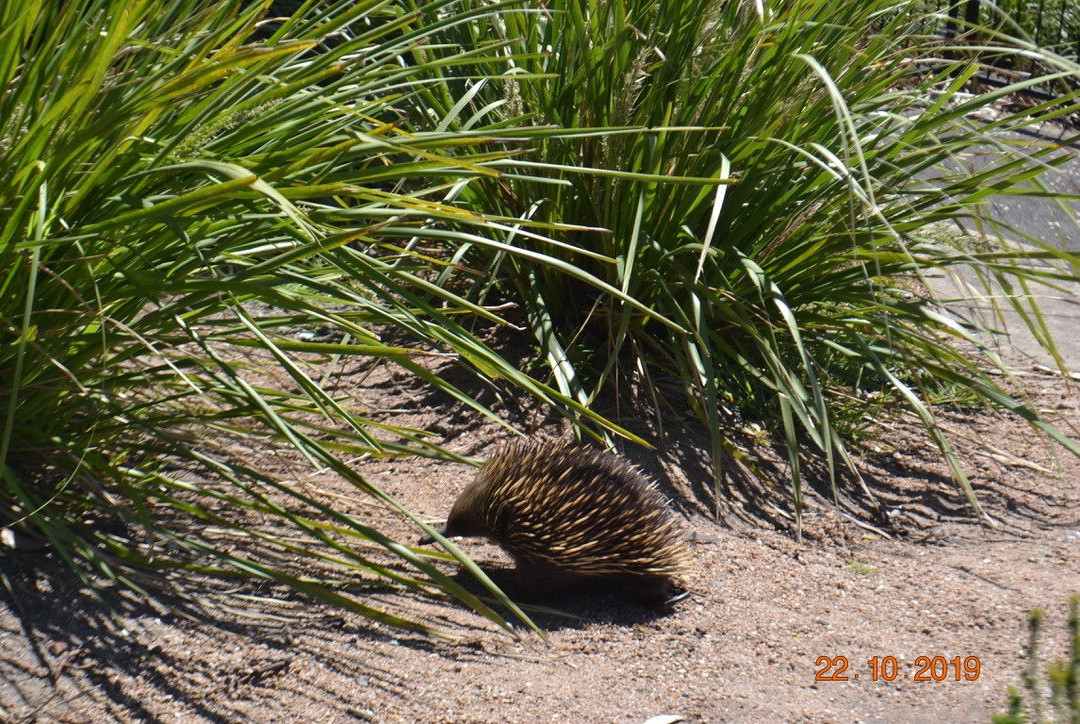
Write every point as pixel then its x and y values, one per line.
pixel 888 668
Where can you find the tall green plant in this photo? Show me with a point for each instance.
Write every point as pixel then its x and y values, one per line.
pixel 184 185
pixel 776 176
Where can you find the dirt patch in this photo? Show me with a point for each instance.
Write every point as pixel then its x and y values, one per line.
pixel 906 574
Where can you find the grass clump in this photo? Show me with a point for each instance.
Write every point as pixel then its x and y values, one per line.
pixel 1050 24
pixel 729 208
pixel 862 569
pixel 185 187
pixel 774 180
pixel 1061 679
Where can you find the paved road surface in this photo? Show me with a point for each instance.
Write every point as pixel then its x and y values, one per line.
pixel 1043 220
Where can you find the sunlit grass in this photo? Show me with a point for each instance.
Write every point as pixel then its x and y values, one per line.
pixel 182 191
pixel 740 197
pixel 837 139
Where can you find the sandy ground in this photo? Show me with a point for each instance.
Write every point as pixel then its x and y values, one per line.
pixel 918 577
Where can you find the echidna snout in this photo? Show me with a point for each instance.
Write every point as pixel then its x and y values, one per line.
pixel 427 539
pixel 566 513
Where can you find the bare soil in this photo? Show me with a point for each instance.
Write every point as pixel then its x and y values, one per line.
pixel 906 574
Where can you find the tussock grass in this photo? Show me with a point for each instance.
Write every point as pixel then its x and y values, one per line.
pixel 742 197
pixel 184 187
pixel 776 179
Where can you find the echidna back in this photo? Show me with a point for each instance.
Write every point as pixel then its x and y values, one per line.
pixel 565 508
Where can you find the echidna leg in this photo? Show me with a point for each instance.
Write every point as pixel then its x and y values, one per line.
pixel 535 583
pixel 656 592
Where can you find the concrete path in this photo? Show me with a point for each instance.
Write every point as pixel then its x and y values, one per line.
pixel 1046 221
pixel 1041 218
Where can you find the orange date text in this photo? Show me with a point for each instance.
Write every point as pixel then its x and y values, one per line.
pixel 888 668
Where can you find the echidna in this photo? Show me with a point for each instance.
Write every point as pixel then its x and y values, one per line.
pixel 567 513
